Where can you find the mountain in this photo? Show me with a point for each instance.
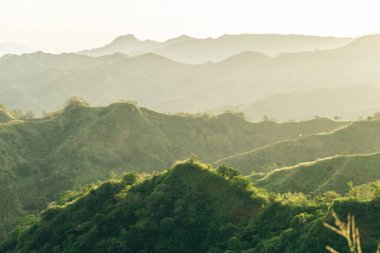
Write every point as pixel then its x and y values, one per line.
pixel 126 44
pixel 347 103
pixel 45 81
pixel 40 158
pixel 197 51
pixel 48 80
pixel 328 174
pixel 255 77
pixel 13 48
pixel 191 208
pixel 361 137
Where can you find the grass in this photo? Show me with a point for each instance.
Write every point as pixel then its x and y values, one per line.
pixel 328 174
pixel 362 137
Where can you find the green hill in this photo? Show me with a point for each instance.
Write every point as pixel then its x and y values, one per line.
pixel 329 174
pixel 40 158
pixel 361 137
pixel 191 208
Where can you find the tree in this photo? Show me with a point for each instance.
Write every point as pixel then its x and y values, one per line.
pixel 227 172
pixel 352 190
pixel 28 115
pixel 17 113
pixel 76 101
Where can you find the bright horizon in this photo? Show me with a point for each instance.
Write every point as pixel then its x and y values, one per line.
pixel 65 26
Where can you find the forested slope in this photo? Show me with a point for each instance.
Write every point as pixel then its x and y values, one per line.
pixel 193 208
pixel 40 158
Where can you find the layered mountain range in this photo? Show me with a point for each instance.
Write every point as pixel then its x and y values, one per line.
pixel 44 82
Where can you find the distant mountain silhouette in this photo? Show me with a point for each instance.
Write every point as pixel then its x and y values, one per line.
pixel 13 48
pixel 347 102
pixel 195 51
pixel 46 81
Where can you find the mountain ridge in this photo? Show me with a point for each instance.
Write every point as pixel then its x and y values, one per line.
pixel 42 157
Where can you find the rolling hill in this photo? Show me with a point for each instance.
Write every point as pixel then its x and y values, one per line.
pixel 40 158
pixel 361 137
pixel 328 174
pixel 190 208
pixel 44 81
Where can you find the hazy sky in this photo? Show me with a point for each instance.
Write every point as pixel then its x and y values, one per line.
pixel 67 25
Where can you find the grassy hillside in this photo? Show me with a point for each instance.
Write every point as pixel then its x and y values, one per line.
pixel 40 158
pixel 329 174
pixel 43 82
pixel 361 137
pixel 191 208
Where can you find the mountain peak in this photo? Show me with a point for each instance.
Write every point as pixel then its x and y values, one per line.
pixel 125 38
pixel 179 39
pixel 247 55
pixel 367 40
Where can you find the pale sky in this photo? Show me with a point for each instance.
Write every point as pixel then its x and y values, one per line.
pixel 70 25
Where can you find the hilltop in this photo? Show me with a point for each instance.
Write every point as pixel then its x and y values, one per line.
pixel 40 158
pixel 190 208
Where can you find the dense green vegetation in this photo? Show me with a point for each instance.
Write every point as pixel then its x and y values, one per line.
pixel 329 174
pixel 40 158
pixel 193 208
pixel 361 137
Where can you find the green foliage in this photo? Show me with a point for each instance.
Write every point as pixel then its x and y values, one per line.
pixel 330 174
pixel 361 137
pixel 191 208
pixel 41 158
pixel 228 173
